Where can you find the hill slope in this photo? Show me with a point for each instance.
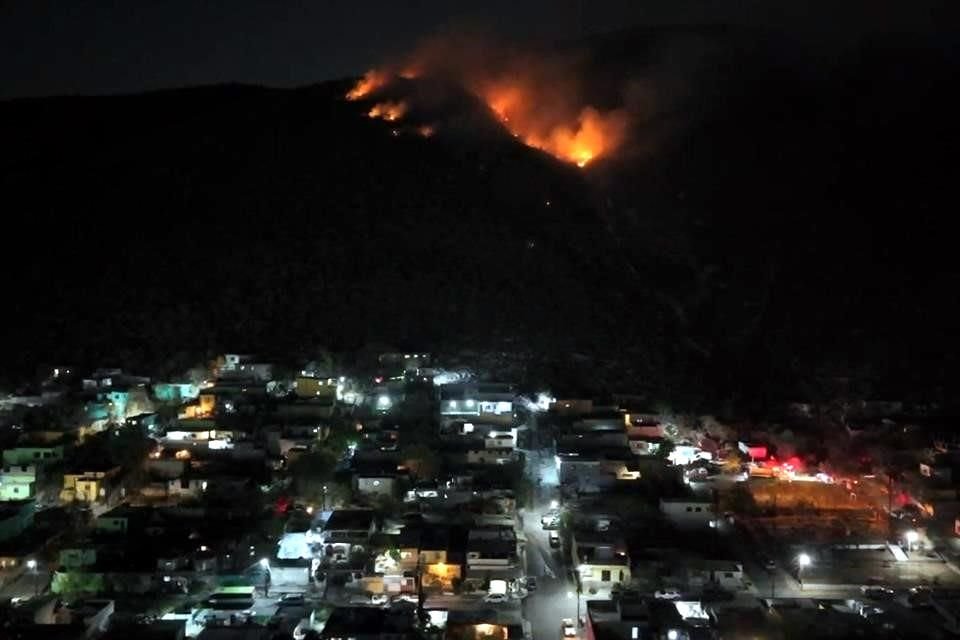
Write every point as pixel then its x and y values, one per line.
pixel 786 223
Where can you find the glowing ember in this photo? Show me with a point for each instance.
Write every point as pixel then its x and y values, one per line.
pixel 389 111
pixel 426 131
pixel 370 82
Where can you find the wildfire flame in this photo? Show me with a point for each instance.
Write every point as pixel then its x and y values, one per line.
pixel 537 99
pixel 389 111
pixel 370 82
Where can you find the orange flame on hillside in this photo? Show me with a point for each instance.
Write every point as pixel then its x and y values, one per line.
pixel 590 135
pixel 370 82
pixel 389 111
pixel 537 98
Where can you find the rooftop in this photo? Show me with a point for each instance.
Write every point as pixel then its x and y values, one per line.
pixel 354 621
pixel 349 520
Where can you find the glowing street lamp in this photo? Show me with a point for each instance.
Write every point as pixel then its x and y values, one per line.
pixel 554 504
pixel 803 561
pixel 912 538
pixel 32 566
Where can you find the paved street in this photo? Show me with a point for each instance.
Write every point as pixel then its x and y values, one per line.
pixel 555 597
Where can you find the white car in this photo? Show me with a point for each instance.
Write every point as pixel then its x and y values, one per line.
pixel 667 594
pixel 406 597
pixel 568 628
pixel 495 598
pixel 379 599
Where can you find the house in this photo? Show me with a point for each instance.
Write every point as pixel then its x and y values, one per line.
pixel 176 392
pixel 753 450
pixel 203 406
pixel 346 529
pixel 601 559
pixel 15 518
pixel 627 618
pixel 375 485
pixel 725 574
pixel 375 478
pixel 571 406
pixel 240 366
pixel 493 402
pixel 643 425
pixel 401 362
pixel 589 469
pixel 91 484
pixel 367 623
pixel 436 551
pixel 17 482
pixel 688 513
pixel 305 386
pixel 492 559
pixel 184 487
pixel 499 439
pixel 195 429
pixel 504 455
pixel 21 455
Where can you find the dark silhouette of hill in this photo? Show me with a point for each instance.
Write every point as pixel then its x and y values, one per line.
pixel 780 219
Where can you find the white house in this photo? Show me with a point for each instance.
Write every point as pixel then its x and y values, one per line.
pixel 375 485
pixel 688 513
pixel 493 402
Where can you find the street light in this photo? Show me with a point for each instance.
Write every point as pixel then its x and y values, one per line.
pixel 803 561
pixel 324 497
pixel 672 634
pixel 264 563
pixel 554 504
pixel 912 538
pixel 32 566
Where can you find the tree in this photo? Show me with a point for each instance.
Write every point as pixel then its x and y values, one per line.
pixel 312 471
pixel 733 462
pixel 422 461
pixel 73 583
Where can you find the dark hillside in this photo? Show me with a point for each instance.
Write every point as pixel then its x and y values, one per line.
pixel 790 221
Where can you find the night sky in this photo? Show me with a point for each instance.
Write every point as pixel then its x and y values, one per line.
pixel 50 47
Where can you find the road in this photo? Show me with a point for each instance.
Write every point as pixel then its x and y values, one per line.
pixel 556 596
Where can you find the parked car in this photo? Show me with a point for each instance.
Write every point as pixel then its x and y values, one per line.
pixel 495 598
pixel 568 629
pixel 531 583
pixel 554 540
pixel 869 612
pixel 667 594
pixel 877 592
pixel 406 597
pixel 291 599
pixel 919 597
pixel 379 599
pixel 768 563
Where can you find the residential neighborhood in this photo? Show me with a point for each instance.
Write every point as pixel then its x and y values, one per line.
pixel 394 497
